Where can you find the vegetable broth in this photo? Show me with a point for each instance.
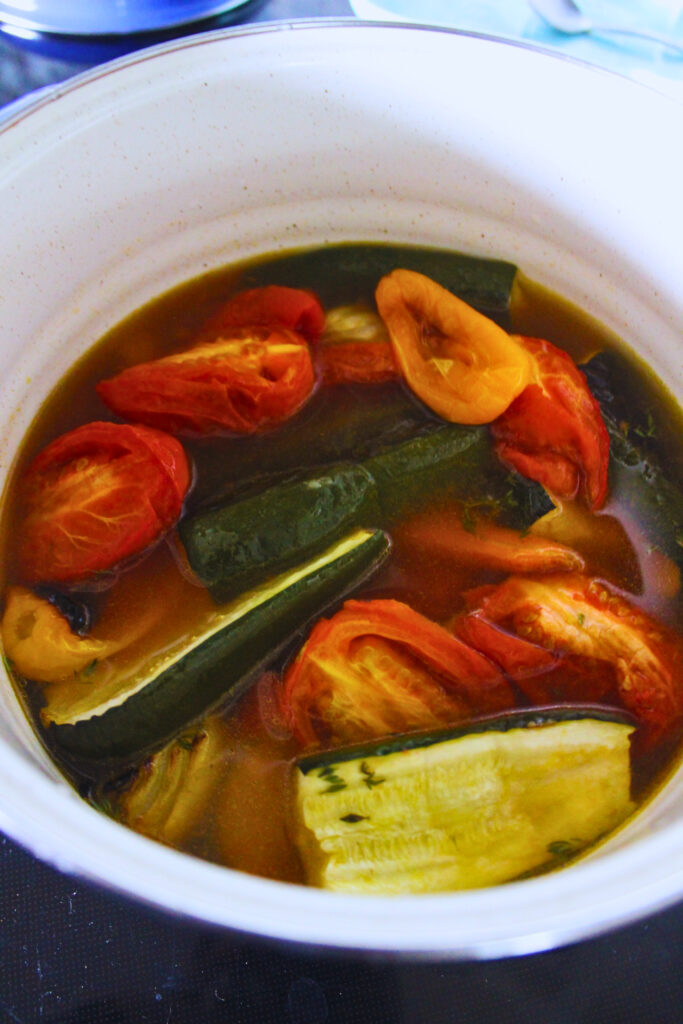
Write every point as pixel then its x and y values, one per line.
pixel 246 824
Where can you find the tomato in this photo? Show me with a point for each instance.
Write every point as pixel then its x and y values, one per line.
pixel 377 668
pixel 599 635
pixel 460 363
pixel 273 306
pixel 240 384
pixel 554 432
pixel 96 496
pixel 355 348
pixel 442 532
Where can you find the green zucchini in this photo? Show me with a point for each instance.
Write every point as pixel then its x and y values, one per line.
pixel 345 422
pixel 125 716
pixel 340 274
pixel 641 472
pixel 461 808
pixel 250 538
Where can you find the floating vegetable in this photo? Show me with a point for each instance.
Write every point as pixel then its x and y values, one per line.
pixel 172 790
pixel 554 432
pixel 459 537
pixel 238 384
pixel 458 362
pixel 41 645
pixel 250 538
pixel 378 667
pixel 463 808
pixel 579 617
pixel 355 348
pixel 96 496
pixel 273 306
pixel 135 712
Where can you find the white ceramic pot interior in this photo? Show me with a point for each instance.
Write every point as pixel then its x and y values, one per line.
pixel 140 175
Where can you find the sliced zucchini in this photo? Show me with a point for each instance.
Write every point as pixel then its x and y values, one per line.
pixel 129 714
pixel 171 791
pixel 460 809
pixel 250 538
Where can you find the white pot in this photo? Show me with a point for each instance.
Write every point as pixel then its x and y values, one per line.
pixel 143 173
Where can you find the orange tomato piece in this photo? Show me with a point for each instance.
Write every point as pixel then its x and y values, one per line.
pixel 460 363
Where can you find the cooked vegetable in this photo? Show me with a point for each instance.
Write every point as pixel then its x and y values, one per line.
pixel 238 384
pixel 460 538
pixel 274 307
pixel 96 496
pixel 341 273
pixel 575 616
pixel 460 363
pixel 41 645
pixel 248 539
pixel 378 667
pixel 355 347
pixel 460 810
pixel 648 488
pixel 125 716
pixel 172 790
pixel 554 431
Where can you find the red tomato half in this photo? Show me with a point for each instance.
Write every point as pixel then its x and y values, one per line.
pixel 554 432
pixel 238 384
pixel 273 306
pixel 96 496
pixel 379 667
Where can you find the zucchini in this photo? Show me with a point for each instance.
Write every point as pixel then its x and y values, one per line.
pixel 342 422
pixel 141 711
pixel 461 808
pixel 644 473
pixel 340 274
pixel 252 537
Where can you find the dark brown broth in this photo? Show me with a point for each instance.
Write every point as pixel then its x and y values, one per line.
pixel 255 791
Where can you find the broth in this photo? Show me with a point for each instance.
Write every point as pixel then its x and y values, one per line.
pixel 246 823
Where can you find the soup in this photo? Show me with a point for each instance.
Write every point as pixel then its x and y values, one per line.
pixel 332 567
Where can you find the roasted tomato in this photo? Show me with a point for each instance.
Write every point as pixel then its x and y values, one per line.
pixel 554 432
pixel 273 306
pixel 377 668
pixel 462 365
pixel 442 532
pixel 96 496
pixel 601 638
pixel 238 385
pixel 355 348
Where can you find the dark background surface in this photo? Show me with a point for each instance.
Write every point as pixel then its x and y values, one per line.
pixel 72 953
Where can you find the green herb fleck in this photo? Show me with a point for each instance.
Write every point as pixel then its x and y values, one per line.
pixel 88 671
pixel 336 787
pixel 187 741
pixel 650 430
pixel 563 849
pixel 352 819
pixel 581 618
pixel 369 774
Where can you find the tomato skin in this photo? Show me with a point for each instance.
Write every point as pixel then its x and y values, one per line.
pixel 603 642
pixel 379 667
pixel 357 362
pixel 460 363
pixel 554 432
pixel 274 306
pixel 96 496
pixel 240 385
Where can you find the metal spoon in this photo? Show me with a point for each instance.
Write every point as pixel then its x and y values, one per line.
pixel 565 16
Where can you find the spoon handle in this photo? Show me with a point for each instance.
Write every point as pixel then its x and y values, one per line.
pixel 652 36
